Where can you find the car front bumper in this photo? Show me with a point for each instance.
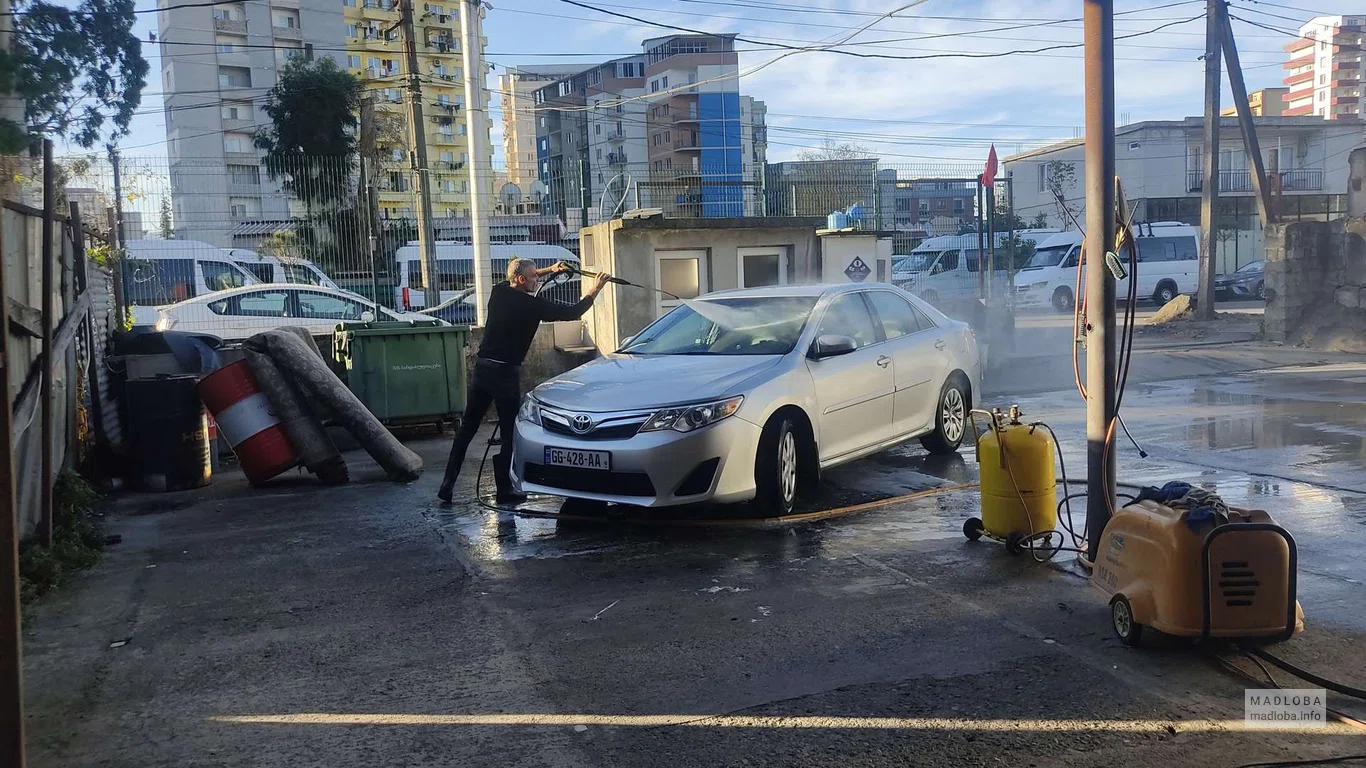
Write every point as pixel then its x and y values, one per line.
pixel 1030 296
pixel 649 469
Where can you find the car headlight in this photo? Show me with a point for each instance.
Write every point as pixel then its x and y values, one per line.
pixel 530 412
pixel 689 417
pixel 1038 286
pixel 165 323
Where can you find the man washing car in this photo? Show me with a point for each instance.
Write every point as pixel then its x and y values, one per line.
pixel 514 314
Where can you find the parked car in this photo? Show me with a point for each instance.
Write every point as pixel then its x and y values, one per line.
pixel 1246 282
pixel 273 269
pixel 160 272
pixel 1168 265
pixel 455 265
pixel 749 394
pixel 944 269
pixel 241 312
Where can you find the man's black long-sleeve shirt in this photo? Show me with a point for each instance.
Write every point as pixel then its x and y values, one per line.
pixel 513 318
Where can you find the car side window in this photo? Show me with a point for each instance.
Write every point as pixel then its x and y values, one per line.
pixel 319 306
pixel 897 317
pixel 923 319
pixel 220 275
pixel 262 304
pixel 948 262
pixel 1072 257
pixel 262 271
pixel 848 316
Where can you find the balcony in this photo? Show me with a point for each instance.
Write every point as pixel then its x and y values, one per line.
pixel 687 144
pixel 1303 77
pixel 1299 180
pixel 246 126
pixel 445 138
pixel 616 137
pixel 443 44
pixel 287 33
pixel 616 158
pixel 244 189
pixel 685 117
pixel 447 107
pixel 241 158
pixel 230 25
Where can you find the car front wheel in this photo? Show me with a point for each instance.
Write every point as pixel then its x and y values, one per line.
pixel 950 419
pixel 776 468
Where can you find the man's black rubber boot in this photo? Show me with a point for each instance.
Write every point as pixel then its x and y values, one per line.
pixel 447 491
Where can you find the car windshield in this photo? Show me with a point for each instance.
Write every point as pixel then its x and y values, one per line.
pixel 916 262
pixel 1048 257
pixel 1252 266
pixel 767 325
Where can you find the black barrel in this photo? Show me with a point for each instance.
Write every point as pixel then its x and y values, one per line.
pixel 168 433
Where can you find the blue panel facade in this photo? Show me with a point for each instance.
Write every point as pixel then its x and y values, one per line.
pixel 721 161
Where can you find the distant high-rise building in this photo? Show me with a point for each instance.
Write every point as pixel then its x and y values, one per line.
pixel 1324 69
pixel 517 88
pixel 653 128
pixel 1265 102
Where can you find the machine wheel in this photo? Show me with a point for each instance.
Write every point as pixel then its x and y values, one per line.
pixel 1126 629
pixel 950 419
pixel 1260 293
pixel 1166 291
pixel 1063 300
pixel 930 296
pixel 776 468
pixel 973 528
pixel 1014 543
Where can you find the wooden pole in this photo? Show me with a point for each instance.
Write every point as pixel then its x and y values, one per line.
pixel 46 387
pixel 1260 187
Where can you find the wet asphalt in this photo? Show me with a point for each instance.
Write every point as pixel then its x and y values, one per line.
pixel 372 625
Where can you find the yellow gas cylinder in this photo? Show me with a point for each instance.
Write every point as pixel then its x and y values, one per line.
pixel 1018 488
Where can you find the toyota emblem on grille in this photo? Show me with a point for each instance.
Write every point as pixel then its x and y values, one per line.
pixel 581 422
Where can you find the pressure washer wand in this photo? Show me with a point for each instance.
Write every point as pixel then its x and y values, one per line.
pixel 620 281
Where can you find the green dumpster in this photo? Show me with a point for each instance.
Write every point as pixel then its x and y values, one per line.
pixel 405 372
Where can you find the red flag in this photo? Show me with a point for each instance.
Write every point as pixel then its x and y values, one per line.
pixel 989 175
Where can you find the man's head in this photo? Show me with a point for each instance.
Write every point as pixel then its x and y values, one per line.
pixel 522 275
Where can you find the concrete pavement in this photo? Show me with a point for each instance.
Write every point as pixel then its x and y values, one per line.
pixel 370 625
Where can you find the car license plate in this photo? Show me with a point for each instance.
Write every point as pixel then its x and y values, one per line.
pixel 571 457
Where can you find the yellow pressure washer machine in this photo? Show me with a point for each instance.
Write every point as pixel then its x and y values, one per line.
pixel 1233 579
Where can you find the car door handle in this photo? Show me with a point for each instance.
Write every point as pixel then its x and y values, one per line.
pixel 939 344
pixel 884 361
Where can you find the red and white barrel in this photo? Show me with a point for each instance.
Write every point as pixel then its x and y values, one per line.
pixel 243 415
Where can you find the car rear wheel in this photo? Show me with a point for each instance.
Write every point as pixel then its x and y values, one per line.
pixel 1166 291
pixel 776 468
pixel 1261 291
pixel 950 419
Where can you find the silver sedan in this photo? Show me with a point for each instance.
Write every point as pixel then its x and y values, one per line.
pixel 749 394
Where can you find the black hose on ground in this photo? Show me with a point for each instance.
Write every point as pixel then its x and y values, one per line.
pixel 1304 674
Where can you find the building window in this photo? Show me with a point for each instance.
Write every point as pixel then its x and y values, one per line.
pixel 223 14
pixel 1043 177
pixel 244 174
pixel 236 111
pixel 1323 79
pixel 352 31
pixel 664 82
pixel 924 206
pixel 958 206
pixel 234 77
pixel 597 129
pixel 353 62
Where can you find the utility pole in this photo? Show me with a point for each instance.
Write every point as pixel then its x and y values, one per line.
pixel 1209 189
pixel 477 136
pixel 120 290
pixel 417 138
pixel 1099 57
pixel 585 197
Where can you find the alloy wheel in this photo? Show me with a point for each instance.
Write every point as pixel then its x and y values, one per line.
pixel 1124 621
pixel 953 415
pixel 787 466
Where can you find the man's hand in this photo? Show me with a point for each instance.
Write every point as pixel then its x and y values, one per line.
pixel 561 267
pixel 599 284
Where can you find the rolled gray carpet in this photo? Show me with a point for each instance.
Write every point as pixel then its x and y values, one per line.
pixel 316 450
pixel 300 360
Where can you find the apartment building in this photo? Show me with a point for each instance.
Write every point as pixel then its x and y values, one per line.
pixel 1323 68
pixel 376 55
pixel 652 127
pixel 1160 163
pixel 1264 102
pixel 517 88
pixel 218 63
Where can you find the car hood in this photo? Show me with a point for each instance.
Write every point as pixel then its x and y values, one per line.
pixel 626 382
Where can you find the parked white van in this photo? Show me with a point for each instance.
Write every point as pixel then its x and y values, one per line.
pixel 161 272
pixel 455 263
pixel 944 269
pixel 273 269
pixel 1168 264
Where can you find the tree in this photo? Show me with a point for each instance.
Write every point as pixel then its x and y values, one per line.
pixel 79 71
pixel 310 141
pixel 167 231
pixel 1040 221
pixel 833 150
pixel 1059 179
pixel 282 244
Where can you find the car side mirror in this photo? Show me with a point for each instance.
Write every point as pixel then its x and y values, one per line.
pixel 831 345
pixel 626 342
pixel 367 316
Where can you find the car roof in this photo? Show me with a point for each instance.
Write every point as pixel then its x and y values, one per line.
pixel 216 295
pixel 816 289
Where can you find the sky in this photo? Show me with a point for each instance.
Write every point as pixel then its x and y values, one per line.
pixel 921 112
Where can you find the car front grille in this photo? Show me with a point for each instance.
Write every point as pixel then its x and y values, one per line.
pixel 590 480
pixel 618 431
